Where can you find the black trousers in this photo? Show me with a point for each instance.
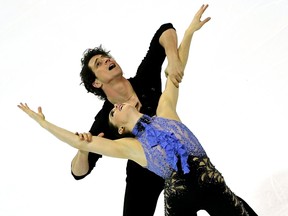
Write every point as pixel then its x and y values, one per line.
pixel 143 189
pixel 204 188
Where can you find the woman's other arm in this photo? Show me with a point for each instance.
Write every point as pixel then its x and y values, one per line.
pixel 168 101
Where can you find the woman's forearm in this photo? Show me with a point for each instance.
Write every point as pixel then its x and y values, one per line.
pixel 63 134
pixel 194 26
pixel 99 145
pixel 184 47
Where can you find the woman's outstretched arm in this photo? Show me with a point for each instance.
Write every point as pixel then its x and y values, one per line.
pixel 168 101
pixel 126 148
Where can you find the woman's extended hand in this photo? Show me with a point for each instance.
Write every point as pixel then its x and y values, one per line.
pixel 196 23
pixel 38 117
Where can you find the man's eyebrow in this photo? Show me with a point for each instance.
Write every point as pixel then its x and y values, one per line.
pixel 96 60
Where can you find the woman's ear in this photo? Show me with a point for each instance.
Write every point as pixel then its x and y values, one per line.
pixel 97 84
pixel 121 130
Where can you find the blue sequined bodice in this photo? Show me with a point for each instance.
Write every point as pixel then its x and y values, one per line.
pixel 163 148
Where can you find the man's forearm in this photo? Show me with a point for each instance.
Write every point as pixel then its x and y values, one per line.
pixel 174 68
pixel 170 94
pixel 80 164
pixel 169 42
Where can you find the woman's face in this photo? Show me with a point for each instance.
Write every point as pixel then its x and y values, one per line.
pixel 119 115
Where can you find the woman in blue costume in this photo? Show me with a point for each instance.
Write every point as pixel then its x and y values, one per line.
pixel 165 146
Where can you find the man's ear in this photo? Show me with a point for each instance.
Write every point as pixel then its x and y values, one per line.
pixel 121 130
pixel 97 84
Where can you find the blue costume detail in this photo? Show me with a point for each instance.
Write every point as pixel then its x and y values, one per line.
pixel 164 149
pixel 170 145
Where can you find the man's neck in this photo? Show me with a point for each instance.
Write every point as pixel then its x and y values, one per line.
pixel 120 91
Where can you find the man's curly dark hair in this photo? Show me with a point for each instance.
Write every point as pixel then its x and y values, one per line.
pixel 87 75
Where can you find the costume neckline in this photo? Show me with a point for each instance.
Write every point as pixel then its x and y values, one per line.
pixel 139 127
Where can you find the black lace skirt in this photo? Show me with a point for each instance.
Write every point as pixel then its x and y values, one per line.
pixel 204 188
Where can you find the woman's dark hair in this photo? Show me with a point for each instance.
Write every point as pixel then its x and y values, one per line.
pixel 87 75
pixel 113 129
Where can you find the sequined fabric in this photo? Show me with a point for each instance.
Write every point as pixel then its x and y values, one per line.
pixel 164 149
pixel 192 183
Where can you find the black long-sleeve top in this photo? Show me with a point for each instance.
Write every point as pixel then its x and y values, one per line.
pixel 146 84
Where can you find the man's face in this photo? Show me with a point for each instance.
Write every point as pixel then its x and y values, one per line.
pixel 105 68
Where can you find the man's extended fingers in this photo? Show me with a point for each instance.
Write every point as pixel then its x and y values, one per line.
pixel 84 136
pixel 79 135
pixel 175 82
pixel 100 134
